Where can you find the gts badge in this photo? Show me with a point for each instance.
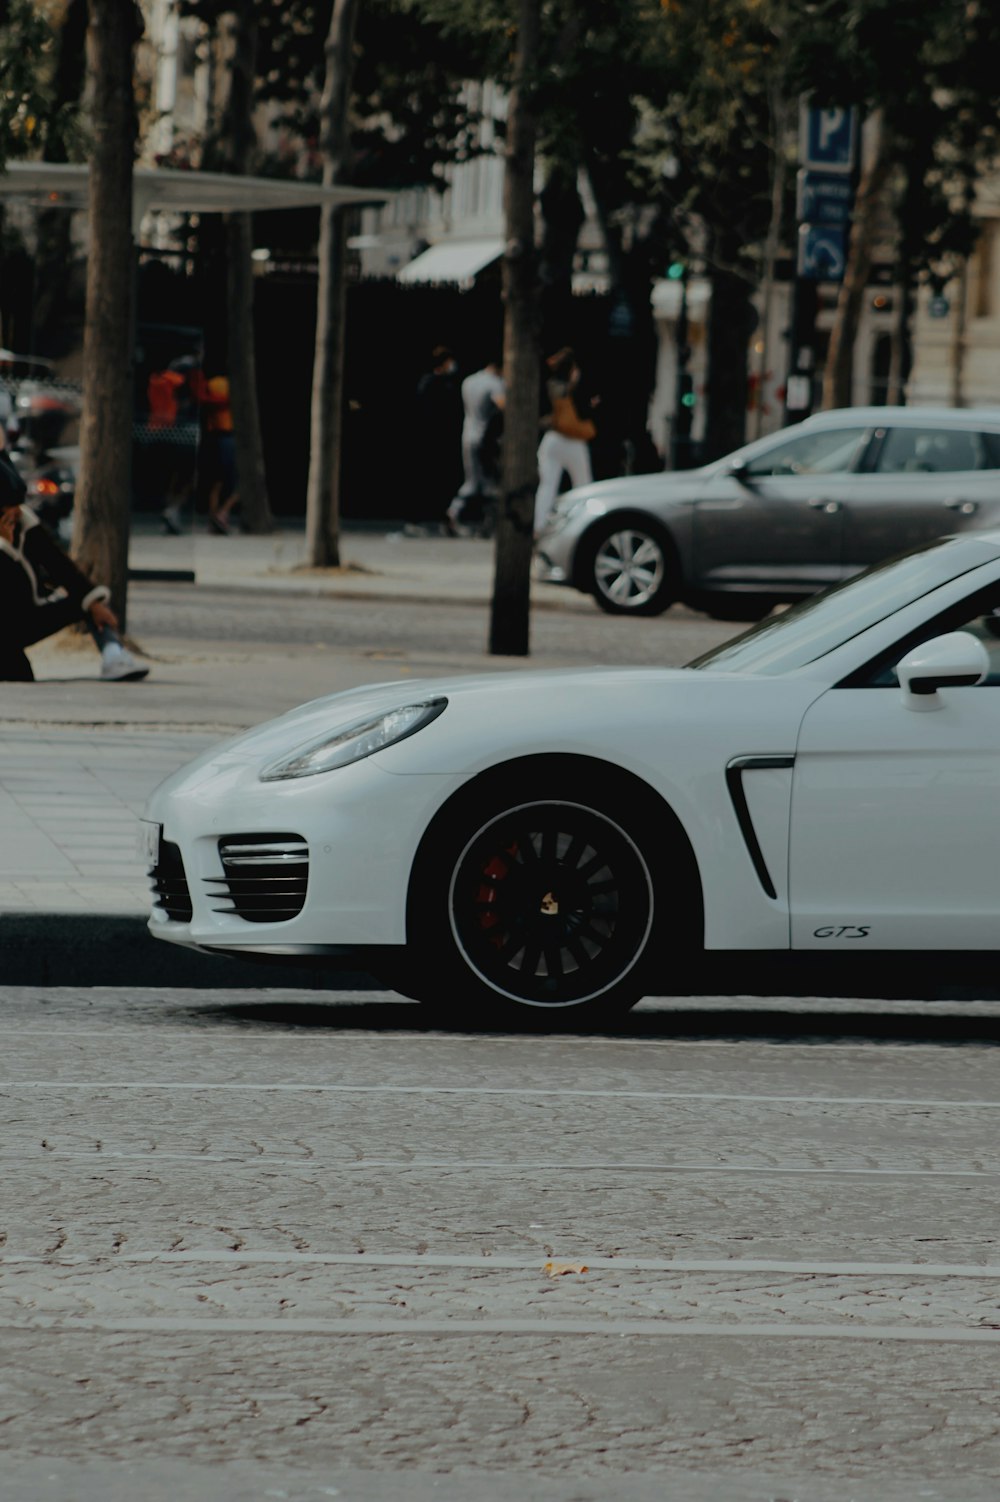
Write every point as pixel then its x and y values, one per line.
pixel 842 932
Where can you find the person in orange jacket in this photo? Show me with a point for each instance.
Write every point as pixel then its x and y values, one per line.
pixel 218 470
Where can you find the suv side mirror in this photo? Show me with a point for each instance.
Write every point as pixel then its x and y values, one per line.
pixel 956 660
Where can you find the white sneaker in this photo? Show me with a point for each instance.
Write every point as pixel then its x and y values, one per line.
pixel 119 666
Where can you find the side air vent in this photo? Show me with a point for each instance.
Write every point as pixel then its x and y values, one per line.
pixel 170 884
pixel 266 876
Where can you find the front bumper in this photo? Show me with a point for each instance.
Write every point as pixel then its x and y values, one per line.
pixel 547 571
pixel 361 825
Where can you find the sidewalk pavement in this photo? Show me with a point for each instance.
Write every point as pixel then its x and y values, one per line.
pixel 383 564
pixel 78 758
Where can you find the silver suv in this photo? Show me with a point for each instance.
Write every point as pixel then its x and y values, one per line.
pixel 780 518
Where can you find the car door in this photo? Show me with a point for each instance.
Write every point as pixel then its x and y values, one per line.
pixel 779 520
pixel 924 480
pixel 895 821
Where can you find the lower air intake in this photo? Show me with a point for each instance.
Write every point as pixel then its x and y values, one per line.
pixel 266 876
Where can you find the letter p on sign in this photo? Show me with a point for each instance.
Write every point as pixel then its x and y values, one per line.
pixel 831 124
pixel 826 138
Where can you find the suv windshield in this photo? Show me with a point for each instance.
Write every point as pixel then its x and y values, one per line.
pixel 826 621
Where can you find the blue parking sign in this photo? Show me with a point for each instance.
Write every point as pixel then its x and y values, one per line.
pixel 822 253
pixel 827 137
pixel 823 197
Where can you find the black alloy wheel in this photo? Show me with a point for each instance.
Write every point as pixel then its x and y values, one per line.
pixel 550 904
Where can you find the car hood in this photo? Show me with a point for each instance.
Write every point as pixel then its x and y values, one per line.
pixel 535 709
pixel 641 490
pixel 336 711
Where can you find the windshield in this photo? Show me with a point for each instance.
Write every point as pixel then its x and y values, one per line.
pixel 826 621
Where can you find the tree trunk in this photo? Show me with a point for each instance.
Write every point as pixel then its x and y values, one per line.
pixel 779 169
pixel 562 218
pixel 327 412
pixel 100 533
pixel 838 377
pixel 240 141
pixel 901 356
pixel 251 478
pixel 957 362
pixel 510 616
pixel 730 317
pixel 54 226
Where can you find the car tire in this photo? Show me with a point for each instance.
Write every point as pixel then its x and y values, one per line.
pixel 631 567
pixel 536 902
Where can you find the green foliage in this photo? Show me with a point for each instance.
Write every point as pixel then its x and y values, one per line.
pixel 679 111
pixel 38 115
pixel 27 46
pixel 409 114
pixel 930 67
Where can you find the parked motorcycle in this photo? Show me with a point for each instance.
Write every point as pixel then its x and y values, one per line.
pixel 51 489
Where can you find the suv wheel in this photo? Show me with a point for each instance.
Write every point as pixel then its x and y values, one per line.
pixel 632 570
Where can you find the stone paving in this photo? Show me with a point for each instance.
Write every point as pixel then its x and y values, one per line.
pixel 69 809
pixel 723 1270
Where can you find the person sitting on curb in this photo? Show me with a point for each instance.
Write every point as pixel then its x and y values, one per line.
pixel 42 591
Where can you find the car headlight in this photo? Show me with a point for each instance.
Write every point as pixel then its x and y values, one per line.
pixel 564 510
pixel 354 742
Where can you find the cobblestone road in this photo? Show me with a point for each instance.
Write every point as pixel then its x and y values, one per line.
pixel 246 1254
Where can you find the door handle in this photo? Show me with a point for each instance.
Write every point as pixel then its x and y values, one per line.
pixel 964 508
pixel 820 503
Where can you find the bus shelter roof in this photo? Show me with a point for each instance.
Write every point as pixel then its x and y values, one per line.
pixel 66 185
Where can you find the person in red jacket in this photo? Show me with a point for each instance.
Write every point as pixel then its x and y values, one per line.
pixel 218 461
pixel 42 590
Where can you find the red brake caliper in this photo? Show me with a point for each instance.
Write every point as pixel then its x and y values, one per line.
pixel 495 871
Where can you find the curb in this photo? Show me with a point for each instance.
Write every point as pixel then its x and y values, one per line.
pixel 113 949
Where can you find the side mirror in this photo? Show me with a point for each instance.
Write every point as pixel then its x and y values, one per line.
pixel 957 660
pixel 739 470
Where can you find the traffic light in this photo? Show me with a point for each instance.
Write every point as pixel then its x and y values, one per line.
pixel 677 271
pixel 683 420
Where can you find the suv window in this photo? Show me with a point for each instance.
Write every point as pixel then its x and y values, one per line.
pixel 933 451
pixel 829 452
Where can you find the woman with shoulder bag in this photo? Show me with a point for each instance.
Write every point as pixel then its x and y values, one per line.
pixel 563 448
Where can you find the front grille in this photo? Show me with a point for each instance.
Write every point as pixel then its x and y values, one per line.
pixel 266 876
pixel 170 884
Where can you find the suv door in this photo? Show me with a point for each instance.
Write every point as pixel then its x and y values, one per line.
pixel 923 482
pixel 778 521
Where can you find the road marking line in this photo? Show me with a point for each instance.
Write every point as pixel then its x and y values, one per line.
pixel 478 1165
pixel 737 1266
pixel 294 1032
pixel 671 1095
pixel 296 1329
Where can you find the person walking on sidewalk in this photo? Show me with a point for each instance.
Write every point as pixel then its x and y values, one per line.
pixel 438 439
pixel 218 471
pixel 568 431
pixel 42 591
pixel 483 396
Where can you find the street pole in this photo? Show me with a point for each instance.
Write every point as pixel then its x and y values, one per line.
pixel 684 386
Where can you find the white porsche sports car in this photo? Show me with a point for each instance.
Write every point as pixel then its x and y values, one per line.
pixel 829 781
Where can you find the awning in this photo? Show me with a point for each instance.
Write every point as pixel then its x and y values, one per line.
pixel 452 261
pixel 65 185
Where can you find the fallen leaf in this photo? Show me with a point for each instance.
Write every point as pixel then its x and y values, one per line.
pixel 560 1269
